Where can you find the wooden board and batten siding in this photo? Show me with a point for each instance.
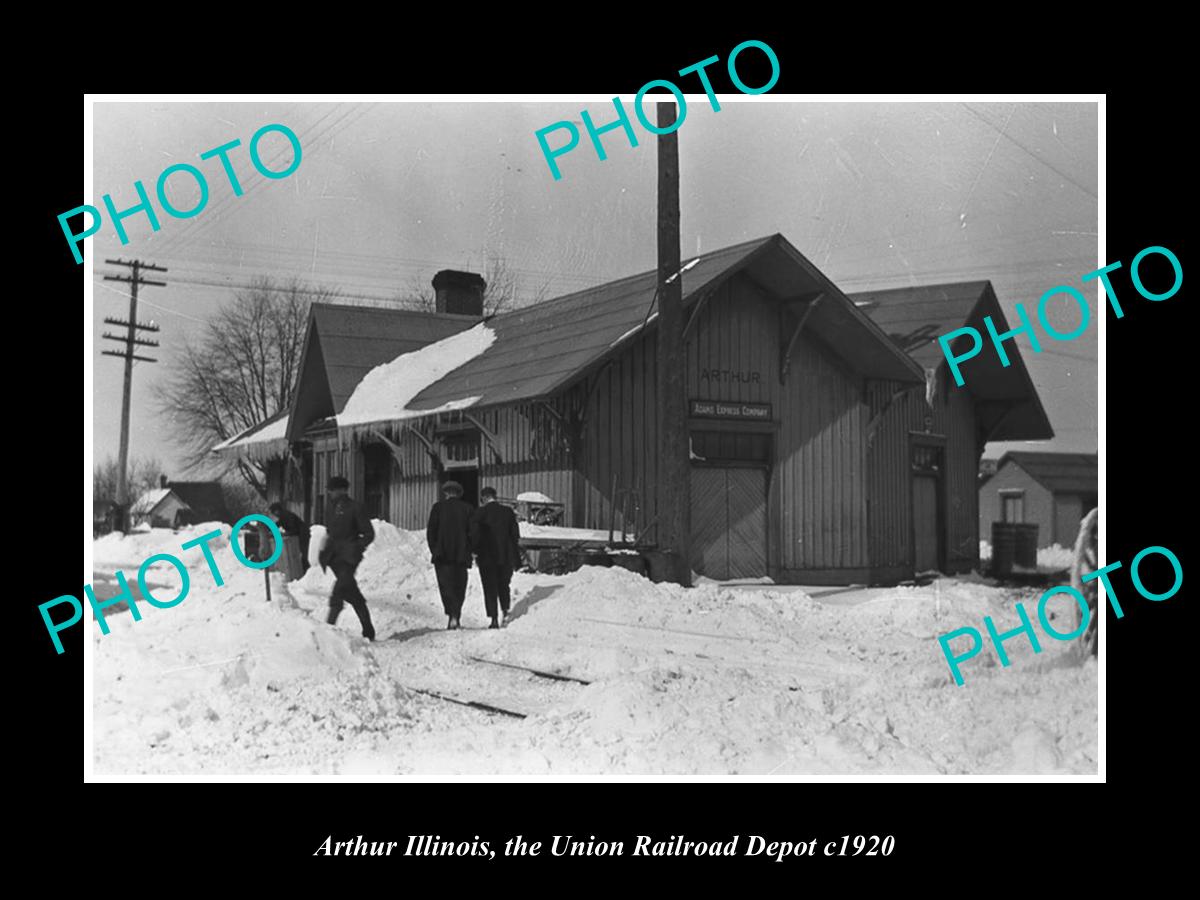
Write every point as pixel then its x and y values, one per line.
pixel 813 526
pixel 530 452
pixel 900 534
pixel 732 361
pixel 805 496
pixel 819 492
pixel 816 457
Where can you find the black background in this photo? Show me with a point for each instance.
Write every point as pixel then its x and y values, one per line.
pixel 948 836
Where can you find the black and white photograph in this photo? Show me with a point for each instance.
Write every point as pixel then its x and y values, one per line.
pixel 737 437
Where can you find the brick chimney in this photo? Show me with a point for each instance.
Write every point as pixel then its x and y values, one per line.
pixel 459 293
pixel 162 481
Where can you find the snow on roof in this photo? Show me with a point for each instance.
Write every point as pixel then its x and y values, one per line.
pixel 636 328
pixel 149 500
pixel 530 531
pixel 385 392
pixel 534 497
pixel 274 429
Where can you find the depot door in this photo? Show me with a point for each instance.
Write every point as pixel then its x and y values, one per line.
pixel 927 527
pixel 729 522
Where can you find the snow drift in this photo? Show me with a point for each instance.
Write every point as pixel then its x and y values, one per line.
pixel 756 680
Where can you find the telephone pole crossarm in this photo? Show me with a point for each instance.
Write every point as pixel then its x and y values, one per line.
pixel 130 340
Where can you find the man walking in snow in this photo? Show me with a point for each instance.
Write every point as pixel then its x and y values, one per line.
pixel 496 540
pixel 448 534
pixel 349 532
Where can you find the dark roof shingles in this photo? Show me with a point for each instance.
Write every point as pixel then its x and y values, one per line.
pixel 539 348
pixel 204 497
pixel 914 317
pixel 1058 472
pixel 356 339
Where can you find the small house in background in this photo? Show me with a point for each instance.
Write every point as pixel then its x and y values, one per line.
pixel 1052 490
pixel 178 503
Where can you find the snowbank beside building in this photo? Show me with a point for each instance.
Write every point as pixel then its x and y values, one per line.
pixel 1054 558
pixel 760 680
pixel 127 551
pixel 714 680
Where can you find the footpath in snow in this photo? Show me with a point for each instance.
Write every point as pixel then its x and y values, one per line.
pixel 654 679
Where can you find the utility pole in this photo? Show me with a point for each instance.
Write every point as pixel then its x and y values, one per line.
pixel 674 481
pixel 130 340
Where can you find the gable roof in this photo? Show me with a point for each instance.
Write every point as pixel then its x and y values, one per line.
pixel 146 503
pixel 541 349
pixel 1076 473
pixel 344 343
pixel 205 498
pixel 1007 403
pixel 913 317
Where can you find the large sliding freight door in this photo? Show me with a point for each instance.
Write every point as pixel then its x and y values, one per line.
pixel 729 522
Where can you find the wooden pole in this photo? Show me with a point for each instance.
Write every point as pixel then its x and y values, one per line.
pixel 131 342
pixel 127 390
pixel 674 479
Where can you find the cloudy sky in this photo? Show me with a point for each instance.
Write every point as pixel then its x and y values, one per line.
pixel 875 194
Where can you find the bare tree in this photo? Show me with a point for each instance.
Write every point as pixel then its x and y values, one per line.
pixel 505 290
pixel 242 370
pixel 240 498
pixel 144 475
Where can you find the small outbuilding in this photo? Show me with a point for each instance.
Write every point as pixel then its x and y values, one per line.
pixel 174 504
pixel 1052 490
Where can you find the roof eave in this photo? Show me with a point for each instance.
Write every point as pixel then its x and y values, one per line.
pixel 905 364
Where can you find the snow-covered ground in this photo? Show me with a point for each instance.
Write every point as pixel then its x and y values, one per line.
pixel 717 679
pixel 1054 558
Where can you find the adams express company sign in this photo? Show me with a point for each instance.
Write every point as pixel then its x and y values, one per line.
pixel 724 409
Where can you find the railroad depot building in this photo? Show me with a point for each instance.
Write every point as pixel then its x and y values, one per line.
pixel 829 444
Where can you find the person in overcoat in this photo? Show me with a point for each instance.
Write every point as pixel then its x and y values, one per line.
pixel 349 532
pixel 449 537
pixel 496 541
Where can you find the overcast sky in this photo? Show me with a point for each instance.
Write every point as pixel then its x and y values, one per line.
pixel 875 194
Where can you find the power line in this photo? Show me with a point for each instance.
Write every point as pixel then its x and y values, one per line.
pixel 219 208
pixel 400 278
pixel 214 269
pixel 146 302
pixel 334 295
pixel 1049 165
pixel 244 248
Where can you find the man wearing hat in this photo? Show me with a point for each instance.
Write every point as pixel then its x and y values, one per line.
pixel 348 532
pixel 449 537
pixel 496 538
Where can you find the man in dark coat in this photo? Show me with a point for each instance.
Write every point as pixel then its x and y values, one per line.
pixel 349 532
pixel 289 523
pixel 496 540
pixel 449 540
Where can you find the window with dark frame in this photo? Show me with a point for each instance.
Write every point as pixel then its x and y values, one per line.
pixel 1012 506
